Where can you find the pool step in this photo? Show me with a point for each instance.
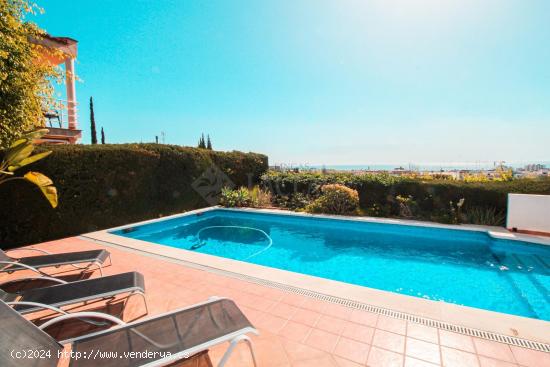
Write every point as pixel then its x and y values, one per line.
pixel 544 263
pixel 524 282
pixel 524 263
pixel 531 290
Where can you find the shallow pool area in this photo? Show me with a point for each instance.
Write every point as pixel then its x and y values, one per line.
pixel 456 266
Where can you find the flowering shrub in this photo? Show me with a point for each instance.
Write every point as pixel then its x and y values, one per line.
pixel 335 199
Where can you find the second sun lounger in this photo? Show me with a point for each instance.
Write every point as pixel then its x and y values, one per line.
pixel 59 295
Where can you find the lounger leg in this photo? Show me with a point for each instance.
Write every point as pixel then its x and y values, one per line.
pixel 232 346
pixel 100 267
pixel 144 302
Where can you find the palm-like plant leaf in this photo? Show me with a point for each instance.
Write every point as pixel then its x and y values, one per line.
pixel 29 160
pixel 45 184
pixel 35 134
pixel 20 152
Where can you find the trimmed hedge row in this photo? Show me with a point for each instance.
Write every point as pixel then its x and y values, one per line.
pixel 102 186
pixel 377 192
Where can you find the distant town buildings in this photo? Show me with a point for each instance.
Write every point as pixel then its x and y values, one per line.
pixel 500 170
pixel 533 170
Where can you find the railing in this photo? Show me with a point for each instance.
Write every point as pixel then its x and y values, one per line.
pixel 58 115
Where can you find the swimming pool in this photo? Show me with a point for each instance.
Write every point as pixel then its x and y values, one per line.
pixel 462 267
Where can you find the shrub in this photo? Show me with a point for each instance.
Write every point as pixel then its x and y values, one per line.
pixel 296 201
pixel 245 197
pixel 235 198
pixel 102 186
pixel 484 216
pixel 406 205
pixel 377 192
pixel 335 199
pixel 260 198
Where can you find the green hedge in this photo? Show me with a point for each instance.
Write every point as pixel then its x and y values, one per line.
pixel 432 198
pixel 102 186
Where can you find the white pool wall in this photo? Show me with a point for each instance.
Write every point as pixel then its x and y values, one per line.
pixel 528 213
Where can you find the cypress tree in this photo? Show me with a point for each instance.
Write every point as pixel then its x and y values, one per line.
pixel 208 142
pixel 93 131
pixel 102 136
pixel 202 143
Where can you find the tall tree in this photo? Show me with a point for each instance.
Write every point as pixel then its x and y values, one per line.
pixel 202 143
pixel 102 136
pixel 93 131
pixel 25 87
pixel 208 142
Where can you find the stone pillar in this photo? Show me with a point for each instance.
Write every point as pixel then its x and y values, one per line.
pixel 71 93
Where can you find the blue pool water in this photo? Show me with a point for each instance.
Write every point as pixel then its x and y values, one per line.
pixel 463 267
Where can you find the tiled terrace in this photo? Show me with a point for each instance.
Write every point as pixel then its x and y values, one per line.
pixel 296 330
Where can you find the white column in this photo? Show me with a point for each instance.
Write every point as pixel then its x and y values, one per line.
pixel 71 93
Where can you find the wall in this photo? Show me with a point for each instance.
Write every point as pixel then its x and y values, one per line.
pixel 529 212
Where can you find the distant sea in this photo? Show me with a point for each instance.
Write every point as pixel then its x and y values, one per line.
pixel 419 167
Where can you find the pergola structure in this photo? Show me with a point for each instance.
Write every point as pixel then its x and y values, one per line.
pixel 57 51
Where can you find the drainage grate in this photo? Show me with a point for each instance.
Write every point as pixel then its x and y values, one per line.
pixel 346 302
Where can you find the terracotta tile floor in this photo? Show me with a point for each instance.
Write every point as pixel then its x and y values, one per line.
pixel 295 330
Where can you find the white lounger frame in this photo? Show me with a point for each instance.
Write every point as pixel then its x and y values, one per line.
pixel 38 306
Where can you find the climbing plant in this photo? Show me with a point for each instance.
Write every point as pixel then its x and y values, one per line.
pixel 25 84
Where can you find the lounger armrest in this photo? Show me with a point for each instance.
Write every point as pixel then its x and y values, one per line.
pixel 15 263
pixel 38 305
pixel 29 249
pixel 81 315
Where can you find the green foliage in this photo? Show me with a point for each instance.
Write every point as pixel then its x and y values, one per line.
pixel 245 197
pixel 377 192
pixel 19 155
pixel 102 136
pixel 25 88
pixel 235 198
pixel 101 186
pixel 260 198
pixel 484 216
pixel 407 205
pixel 295 201
pixel 456 211
pixel 335 199
pixel 208 143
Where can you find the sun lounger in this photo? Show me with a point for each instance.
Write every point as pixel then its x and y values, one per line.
pixel 75 259
pixel 59 295
pixel 157 341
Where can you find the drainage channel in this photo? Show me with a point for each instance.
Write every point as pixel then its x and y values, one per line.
pixel 519 342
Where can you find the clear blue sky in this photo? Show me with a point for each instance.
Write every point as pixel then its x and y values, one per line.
pixel 318 82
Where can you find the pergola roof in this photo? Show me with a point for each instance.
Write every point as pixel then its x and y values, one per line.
pixel 67 46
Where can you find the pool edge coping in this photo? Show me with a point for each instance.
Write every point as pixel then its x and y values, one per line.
pixel 491 231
